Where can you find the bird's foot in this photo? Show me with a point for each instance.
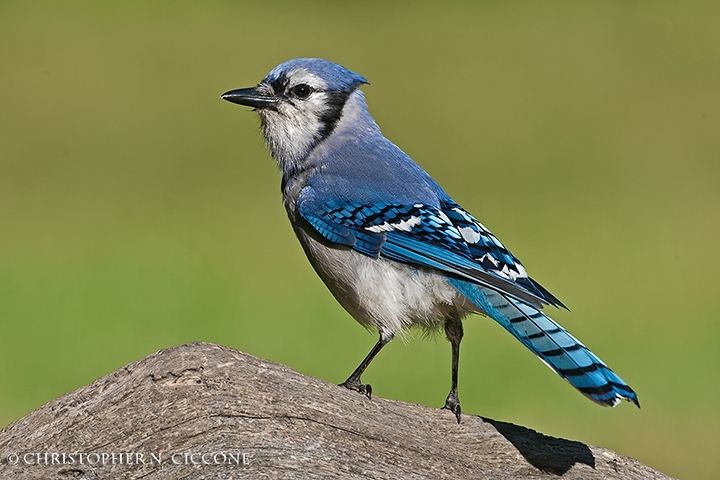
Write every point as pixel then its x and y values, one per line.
pixel 354 384
pixel 453 404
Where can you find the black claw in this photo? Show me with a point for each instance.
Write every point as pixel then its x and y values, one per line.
pixel 368 390
pixel 457 413
pixel 364 388
pixel 453 405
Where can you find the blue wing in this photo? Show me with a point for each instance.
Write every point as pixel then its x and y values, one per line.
pixel 446 238
pixel 486 249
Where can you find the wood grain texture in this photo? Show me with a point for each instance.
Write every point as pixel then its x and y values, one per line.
pixel 256 419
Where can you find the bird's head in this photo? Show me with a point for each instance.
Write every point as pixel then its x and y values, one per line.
pixel 300 102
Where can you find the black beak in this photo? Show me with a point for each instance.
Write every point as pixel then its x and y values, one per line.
pixel 249 97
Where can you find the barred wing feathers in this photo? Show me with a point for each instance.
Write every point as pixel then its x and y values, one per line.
pixel 426 237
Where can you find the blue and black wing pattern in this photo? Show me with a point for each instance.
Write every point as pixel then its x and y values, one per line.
pixel 487 250
pixel 447 239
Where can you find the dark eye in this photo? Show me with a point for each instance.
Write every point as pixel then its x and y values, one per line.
pixel 302 91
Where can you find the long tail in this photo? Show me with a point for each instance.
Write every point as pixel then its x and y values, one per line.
pixel 552 344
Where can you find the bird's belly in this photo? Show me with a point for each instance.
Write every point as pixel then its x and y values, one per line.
pixel 380 292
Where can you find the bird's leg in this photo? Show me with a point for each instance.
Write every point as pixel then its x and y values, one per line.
pixel 353 382
pixel 454 333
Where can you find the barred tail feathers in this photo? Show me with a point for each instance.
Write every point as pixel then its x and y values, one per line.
pixel 559 350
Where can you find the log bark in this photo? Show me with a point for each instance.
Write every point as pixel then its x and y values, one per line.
pixel 201 410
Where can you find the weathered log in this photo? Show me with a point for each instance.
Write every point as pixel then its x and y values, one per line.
pixel 205 411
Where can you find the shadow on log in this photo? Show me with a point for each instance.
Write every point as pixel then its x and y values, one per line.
pixel 205 411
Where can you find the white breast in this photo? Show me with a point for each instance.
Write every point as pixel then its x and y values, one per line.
pixel 378 292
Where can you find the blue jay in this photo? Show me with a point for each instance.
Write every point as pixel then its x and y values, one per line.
pixel 393 248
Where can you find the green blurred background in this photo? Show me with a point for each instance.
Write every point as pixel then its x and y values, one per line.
pixel 140 211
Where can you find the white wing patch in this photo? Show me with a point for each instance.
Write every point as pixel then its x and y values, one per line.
pixel 511 273
pixel 404 225
pixel 444 217
pixel 469 235
pixel 490 258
